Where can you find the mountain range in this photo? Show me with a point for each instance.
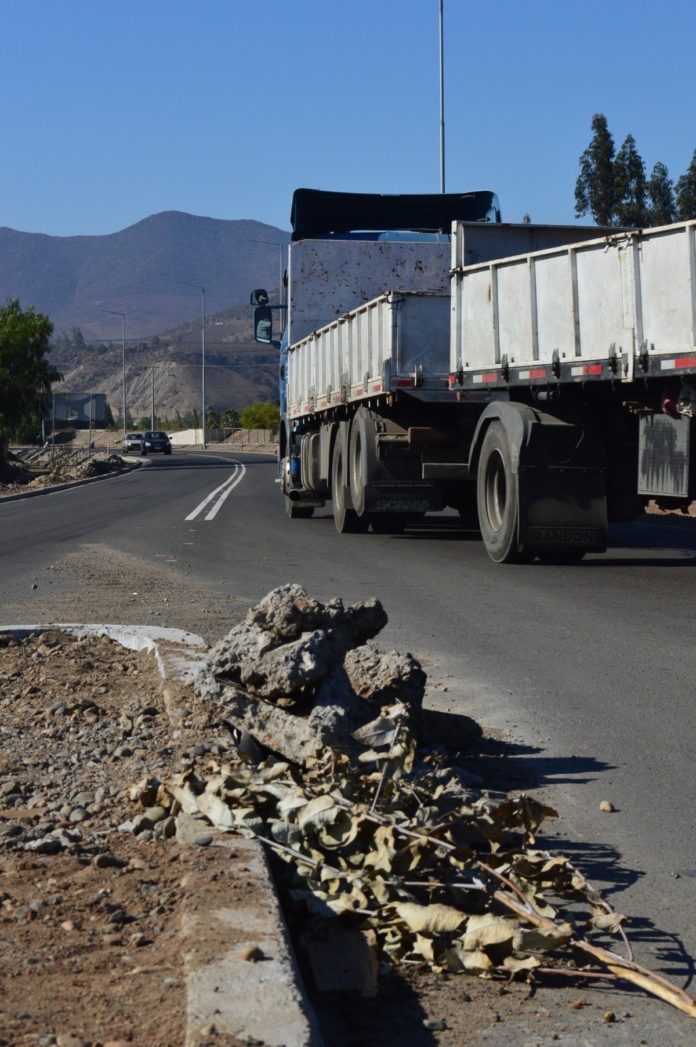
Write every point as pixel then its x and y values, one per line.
pixel 146 272
pixel 141 271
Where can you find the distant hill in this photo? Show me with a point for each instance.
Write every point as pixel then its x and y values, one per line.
pixel 238 371
pixel 138 271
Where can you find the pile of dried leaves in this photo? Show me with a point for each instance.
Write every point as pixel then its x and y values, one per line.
pixel 395 843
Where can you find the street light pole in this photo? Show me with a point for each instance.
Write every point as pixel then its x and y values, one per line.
pixel 115 312
pixel 442 100
pixel 202 290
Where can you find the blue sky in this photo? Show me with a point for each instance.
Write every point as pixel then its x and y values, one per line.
pixel 112 111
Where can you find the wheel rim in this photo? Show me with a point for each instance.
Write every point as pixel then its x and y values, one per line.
pixel 356 475
pixel 337 479
pixel 496 491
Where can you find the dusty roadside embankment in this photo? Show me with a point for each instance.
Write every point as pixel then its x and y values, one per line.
pixel 93 878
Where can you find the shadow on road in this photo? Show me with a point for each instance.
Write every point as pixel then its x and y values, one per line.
pixel 510 767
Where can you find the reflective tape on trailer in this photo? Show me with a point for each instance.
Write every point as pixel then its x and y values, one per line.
pixel 533 374
pixel 586 370
pixel 678 363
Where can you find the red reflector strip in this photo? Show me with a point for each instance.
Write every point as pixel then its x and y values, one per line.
pixel 538 372
pixel 452 380
pixel 492 376
pixel 685 361
pixel 584 370
pixel 404 383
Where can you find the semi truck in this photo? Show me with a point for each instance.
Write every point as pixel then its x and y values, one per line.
pixel 540 380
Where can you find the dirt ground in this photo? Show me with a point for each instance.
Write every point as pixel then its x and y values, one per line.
pixel 49 468
pixel 90 946
pixel 90 912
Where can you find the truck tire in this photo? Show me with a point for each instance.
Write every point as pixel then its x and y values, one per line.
pixel 497 497
pixel 362 453
pixel 346 520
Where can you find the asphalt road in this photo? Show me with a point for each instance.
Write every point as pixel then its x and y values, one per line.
pixel 584 673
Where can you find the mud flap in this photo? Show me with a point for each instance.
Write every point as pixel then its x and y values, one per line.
pixel 562 508
pixel 562 486
pixel 403 498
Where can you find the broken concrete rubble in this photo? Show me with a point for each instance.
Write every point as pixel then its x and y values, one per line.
pixel 298 675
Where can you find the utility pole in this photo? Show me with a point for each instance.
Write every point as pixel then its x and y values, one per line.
pixel 115 312
pixel 442 100
pixel 202 290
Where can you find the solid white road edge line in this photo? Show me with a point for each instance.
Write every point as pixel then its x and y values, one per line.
pixel 213 512
pixel 206 501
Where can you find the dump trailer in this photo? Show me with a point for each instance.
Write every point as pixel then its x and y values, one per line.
pixel 540 380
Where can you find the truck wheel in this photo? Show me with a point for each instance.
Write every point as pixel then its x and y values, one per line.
pixel 346 520
pixel 363 458
pixel 295 510
pixel 497 497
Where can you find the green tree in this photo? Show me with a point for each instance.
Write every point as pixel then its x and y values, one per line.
pixel 25 372
pixel 630 190
pixel 78 339
pixel 594 188
pixel 261 415
pixel 660 196
pixel 230 418
pixel 686 193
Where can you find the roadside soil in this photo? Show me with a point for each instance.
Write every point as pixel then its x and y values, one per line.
pixel 50 470
pixel 90 946
pixel 90 914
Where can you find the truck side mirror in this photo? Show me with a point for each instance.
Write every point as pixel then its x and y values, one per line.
pixel 259 296
pixel 263 324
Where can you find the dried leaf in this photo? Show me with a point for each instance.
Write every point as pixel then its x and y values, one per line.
pixel 216 810
pixel 425 947
pixel 533 939
pixel 516 964
pixel 185 797
pixel 317 812
pixel 487 930
pixel 379 732
pixel 431 919
pixel 459 959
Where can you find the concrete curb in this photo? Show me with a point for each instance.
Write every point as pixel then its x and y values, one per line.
pixel 52 488
pixel 253 1002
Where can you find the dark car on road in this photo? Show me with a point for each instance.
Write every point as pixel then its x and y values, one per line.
pixel 156 441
